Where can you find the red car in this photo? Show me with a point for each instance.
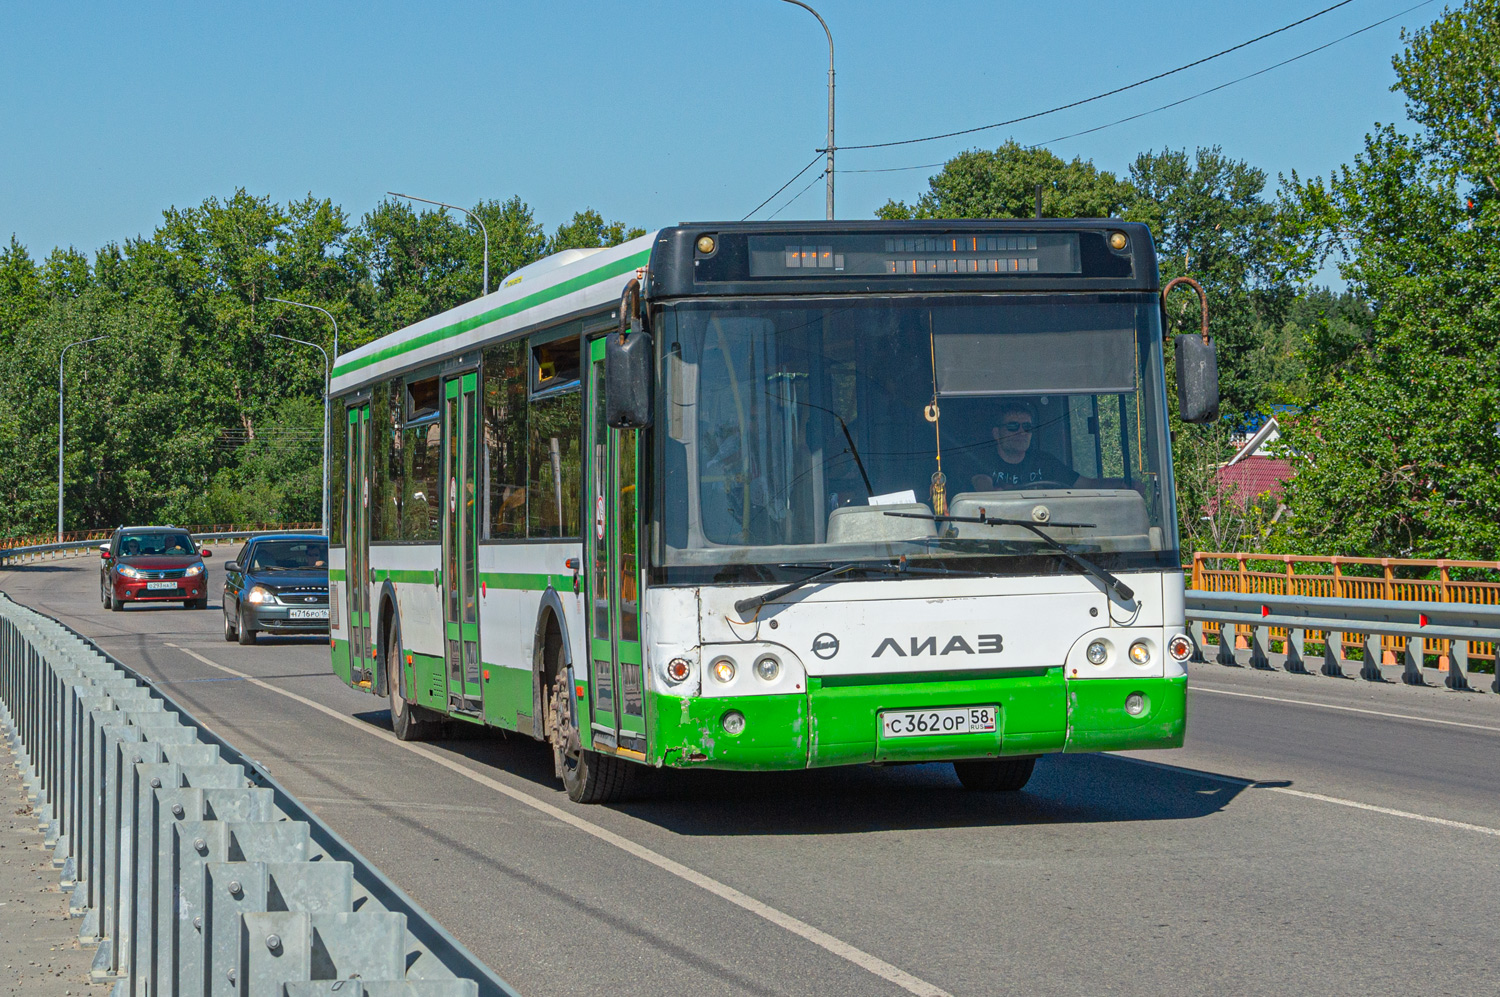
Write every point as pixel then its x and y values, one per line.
pixel 152 564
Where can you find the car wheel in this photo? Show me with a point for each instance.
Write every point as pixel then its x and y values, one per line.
pixel 104 594
pixel 1002 775
pixel 246 632
pixel 113 602
pixel 231 631
pixel 199 603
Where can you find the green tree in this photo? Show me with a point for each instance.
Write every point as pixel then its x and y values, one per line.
pixel 1003 184
pixel 587 229
pixel 1397 447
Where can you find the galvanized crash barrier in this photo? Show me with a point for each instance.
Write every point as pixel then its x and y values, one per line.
pixel 1418 622
pixel 75 548
pixel 192 871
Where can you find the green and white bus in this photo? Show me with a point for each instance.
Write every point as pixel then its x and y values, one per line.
pixel 772 496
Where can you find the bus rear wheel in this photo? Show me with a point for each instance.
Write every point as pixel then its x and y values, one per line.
pixel 408 720
pixel 588 776
pixel 1003 775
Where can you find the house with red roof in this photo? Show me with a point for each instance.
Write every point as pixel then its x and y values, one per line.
pixel 1253 471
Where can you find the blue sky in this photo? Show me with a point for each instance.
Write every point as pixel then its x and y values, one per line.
pixel 652 112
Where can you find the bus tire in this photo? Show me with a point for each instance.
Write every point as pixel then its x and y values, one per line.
pixel 408 720
pixel 1002 775
pixel 588 776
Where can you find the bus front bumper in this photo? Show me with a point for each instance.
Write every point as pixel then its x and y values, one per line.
pixel 838 721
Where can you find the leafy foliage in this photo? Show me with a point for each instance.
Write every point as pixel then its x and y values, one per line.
pixel 188 410
pixel 1397 447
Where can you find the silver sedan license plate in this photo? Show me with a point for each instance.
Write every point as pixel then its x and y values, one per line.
pixel 925 723
pixel 308 614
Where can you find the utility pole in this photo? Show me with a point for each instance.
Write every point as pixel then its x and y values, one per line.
pixel 828 170
pixel 477 221
pixel 60 358
pixel 327 385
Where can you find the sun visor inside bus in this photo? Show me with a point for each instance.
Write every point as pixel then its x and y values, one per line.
pixel 1076 361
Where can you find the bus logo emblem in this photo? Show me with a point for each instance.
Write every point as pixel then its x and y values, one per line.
pixel 825 646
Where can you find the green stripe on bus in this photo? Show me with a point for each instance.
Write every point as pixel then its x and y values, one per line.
pixel 525 582
pixel 495 314
pixel 520 581
pixel 405 577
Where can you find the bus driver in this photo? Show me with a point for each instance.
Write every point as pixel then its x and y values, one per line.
pixel 1019 465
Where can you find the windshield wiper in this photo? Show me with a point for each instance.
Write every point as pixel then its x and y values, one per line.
pixel 755 602
pixel 1110 581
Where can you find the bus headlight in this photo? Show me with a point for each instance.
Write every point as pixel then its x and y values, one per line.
pixel 1140 652
pixel 678 669
pixel 1135 704
pixel 723 670
pixel 768 667
pixel 1180 647
pixel 733 722
pixel 1097 653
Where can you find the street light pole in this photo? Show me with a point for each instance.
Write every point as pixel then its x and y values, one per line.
pixel 60 359
pixel 320 349
pixel 829 168
pixel 477 220
pixel 327 373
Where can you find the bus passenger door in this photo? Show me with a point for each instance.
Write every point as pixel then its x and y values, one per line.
pixel 460 568
pixel 357 555
pixel 616 683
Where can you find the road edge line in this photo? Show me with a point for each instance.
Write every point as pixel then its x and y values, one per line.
pixel 849 953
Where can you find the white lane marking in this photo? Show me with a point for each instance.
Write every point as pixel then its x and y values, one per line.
pixel 1320 797
pixel 1345 709
pixel 822 939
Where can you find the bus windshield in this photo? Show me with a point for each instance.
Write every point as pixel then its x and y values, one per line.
pixel 837 429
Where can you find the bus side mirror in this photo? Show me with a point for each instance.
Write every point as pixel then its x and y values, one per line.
pixel 1197 363
pixel 629 367
pixel 1197 379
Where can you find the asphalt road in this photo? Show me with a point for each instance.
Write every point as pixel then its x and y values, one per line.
pixel 1365 857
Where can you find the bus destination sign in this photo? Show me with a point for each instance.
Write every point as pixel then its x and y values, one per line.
pixel 857 254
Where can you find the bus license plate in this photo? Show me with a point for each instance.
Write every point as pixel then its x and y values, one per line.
pixel 923 723
pixel 308 614
pixel 153 586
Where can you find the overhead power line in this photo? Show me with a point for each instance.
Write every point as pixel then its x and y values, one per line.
pixel 784 186
pixel 1099 96
pixel 1241 79
pixel 799 193
pixel 1181 101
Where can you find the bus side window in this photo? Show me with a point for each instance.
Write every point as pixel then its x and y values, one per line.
pixel 505 439
pixel 556 480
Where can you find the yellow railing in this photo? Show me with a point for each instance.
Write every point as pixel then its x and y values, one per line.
pixel 1371 578
pixel 10 543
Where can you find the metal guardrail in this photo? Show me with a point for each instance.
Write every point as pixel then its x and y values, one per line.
pixel 192 870
pixel 1337 577
pixel 69 546
pixel 1457 624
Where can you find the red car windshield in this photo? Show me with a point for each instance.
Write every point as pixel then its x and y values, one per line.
pixel 157 544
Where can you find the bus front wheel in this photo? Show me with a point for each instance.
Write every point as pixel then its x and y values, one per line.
pixel 588 776
pixel 1004 775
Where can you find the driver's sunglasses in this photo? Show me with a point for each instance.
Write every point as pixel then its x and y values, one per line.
pixel 1017 427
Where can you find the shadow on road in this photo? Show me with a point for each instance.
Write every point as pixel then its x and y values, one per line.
pixel 1066 789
